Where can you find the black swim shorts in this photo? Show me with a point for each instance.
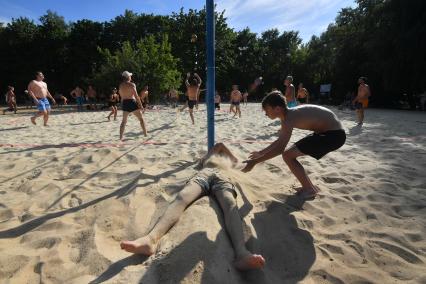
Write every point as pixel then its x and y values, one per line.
pixel 130 105
pixel 191 104
pixel 319 144
pixel 235 103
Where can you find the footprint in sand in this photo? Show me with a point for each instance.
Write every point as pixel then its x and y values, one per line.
pixel 398 251
pixel 35 174
pixel 74 200
pixel 5 213
pixel 335 180
pixel 356 247
pixel 273 169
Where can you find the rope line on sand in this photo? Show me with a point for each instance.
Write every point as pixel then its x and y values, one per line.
pixel 118 145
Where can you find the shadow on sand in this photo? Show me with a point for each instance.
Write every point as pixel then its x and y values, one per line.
pixel 120 192
pixel 355 130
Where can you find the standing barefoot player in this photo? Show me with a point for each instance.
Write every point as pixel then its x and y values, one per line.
pixel 361 100
pixel 37 89
pixel 302 95
pixel 91 97
pixel 78 95
pixel 290 92
pixel 130 102
pixel 212 182
pixel 217 100
pixel 245 97
pixel 236 98
pixel 193 87
pixel 143 95
pixel 328 135
pixel 112 103
pixel 11 100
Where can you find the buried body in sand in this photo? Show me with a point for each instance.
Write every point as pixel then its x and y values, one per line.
pixel 211 180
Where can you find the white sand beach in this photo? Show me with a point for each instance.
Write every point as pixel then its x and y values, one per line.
pixel 70 192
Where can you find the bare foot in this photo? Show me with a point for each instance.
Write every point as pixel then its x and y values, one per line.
pixel 145 246
pixel 251 261
pixel 109 119
pixel 308 193
pixel 33 120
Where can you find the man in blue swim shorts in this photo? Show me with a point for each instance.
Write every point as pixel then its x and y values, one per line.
pixel 38 91
pixel 78 95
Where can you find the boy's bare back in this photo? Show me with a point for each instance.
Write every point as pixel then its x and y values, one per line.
pixel 311 117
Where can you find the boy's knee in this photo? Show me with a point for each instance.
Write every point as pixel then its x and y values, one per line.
pixel 287 156
pixel 219 145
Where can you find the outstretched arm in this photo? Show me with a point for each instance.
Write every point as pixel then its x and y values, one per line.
pixel 186 80
pixel 270 152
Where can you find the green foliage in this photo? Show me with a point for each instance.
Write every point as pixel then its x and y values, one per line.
pixel 150 61
pixel 381 39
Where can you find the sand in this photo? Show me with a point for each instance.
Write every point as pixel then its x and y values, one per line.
pixel 71 192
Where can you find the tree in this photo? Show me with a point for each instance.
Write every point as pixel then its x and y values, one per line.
pixel 150 61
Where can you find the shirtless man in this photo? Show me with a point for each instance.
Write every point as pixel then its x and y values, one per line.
pixel 302 95
pixel 361 100
pixel 10 100
pixel 193 87
pixel 328 135
pixel 112 103
pixel 143 95
pixel 130 102
pixel 38 91
pixel 210 181
pixel 245 97
pixel 173 94
pixel 91 97
pixel 236 98
pixel 78 95
pixel 290 92
pixel 61 99
pixel 217 101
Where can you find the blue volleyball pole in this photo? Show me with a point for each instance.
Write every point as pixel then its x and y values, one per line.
pixel 210 40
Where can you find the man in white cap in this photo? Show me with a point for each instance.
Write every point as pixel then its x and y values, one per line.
pixel 130 102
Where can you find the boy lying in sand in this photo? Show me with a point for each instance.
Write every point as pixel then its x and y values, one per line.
pixel 328 135
pixel 208 181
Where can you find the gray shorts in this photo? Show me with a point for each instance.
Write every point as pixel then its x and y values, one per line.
pixel 212 182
